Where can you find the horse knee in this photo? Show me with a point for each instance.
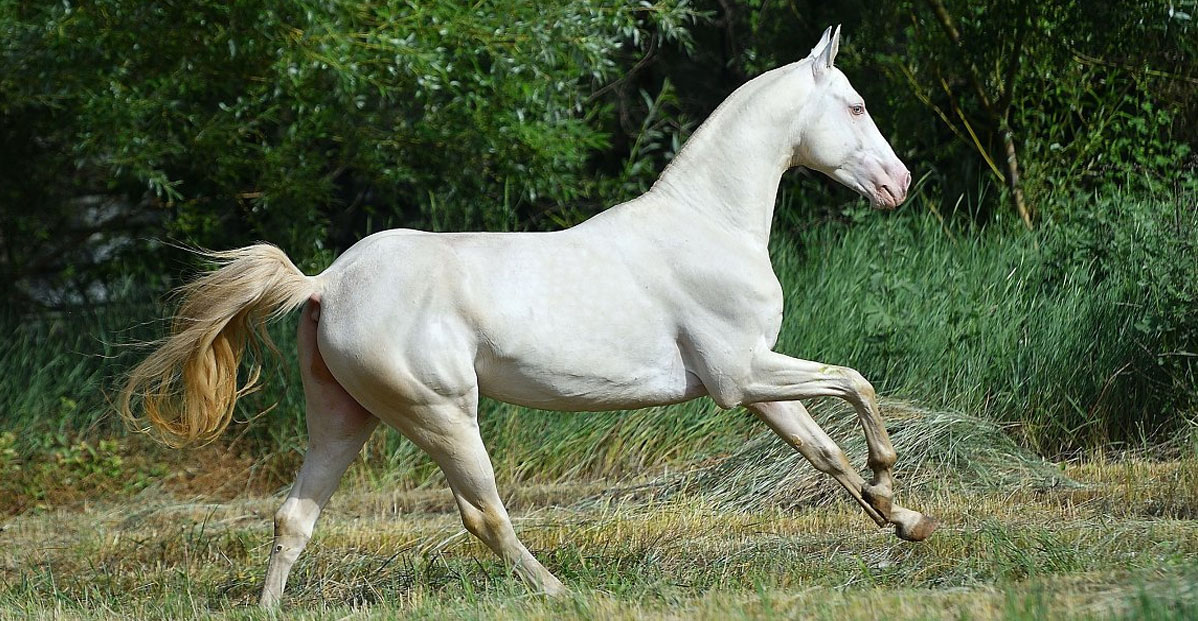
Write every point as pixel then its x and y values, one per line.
pixel 857 387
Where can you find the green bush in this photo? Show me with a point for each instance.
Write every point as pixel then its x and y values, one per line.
pixel 312 124
pixel 306 123
pixel 1145 253
pixel 1076 335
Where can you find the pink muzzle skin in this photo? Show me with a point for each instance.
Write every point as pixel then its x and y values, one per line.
pixel 890 187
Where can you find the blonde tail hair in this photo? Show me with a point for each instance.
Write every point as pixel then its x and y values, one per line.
pixel 188 386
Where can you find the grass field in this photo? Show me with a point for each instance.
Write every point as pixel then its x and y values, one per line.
pixel 1119 542
pixel 1047 417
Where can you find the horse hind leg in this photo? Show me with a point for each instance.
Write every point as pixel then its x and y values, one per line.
pixel 338 426
pixel 448 432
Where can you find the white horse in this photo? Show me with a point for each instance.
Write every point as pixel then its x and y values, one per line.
pixel 665 298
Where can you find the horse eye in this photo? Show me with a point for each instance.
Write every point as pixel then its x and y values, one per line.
pixel 858 109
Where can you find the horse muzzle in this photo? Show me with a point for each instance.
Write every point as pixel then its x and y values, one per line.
pixel 889 185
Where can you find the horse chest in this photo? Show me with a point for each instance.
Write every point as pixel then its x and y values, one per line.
pixel 735 298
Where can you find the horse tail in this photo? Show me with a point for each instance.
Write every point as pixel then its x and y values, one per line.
pixel 187 386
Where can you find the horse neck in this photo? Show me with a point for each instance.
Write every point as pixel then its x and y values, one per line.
pixel 730 169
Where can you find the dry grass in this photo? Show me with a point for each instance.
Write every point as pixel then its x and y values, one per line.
pixel 69 471
pixel 937 450
pixel 1123 542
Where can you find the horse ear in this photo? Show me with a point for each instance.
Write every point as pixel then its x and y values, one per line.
pixel 823 40
pixel 827 55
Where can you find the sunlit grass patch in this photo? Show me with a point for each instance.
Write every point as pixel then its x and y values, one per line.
pixel 1015 553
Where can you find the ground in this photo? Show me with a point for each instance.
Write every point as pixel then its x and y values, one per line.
pixel 1124 544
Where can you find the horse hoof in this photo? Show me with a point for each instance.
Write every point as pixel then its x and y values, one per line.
pixel 555 593
pixel 919 531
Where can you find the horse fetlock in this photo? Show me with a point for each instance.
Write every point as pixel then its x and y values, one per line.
pixel 288 548
pixel 881 459
pixel 879 497
pixel 292 530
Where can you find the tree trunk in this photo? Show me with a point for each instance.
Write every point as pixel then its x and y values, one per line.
pixel 997 109
pixel 1013 177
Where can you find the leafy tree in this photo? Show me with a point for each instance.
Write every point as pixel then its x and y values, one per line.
pixel 307 123
pixel 1035 98
pixel 312 123
pixel 1039 92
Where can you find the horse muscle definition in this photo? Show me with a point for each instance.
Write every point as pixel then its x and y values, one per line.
pixel 668 297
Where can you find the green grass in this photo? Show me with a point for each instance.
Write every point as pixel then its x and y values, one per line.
pixel 990 347
pixel 1075 336
pixel 1097 551
pixel 1071 339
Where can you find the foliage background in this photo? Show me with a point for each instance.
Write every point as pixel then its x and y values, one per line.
pixel 128 129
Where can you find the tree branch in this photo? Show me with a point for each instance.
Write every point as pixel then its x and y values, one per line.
pixel 997 113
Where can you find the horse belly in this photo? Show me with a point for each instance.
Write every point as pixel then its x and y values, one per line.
pixel 598 379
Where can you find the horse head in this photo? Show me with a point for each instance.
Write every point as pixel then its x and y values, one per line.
pixel 834 134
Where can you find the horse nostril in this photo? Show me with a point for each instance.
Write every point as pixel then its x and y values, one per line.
pixel 907 180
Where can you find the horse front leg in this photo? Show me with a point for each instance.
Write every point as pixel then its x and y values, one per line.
pixel 778 378
pixel 792 423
